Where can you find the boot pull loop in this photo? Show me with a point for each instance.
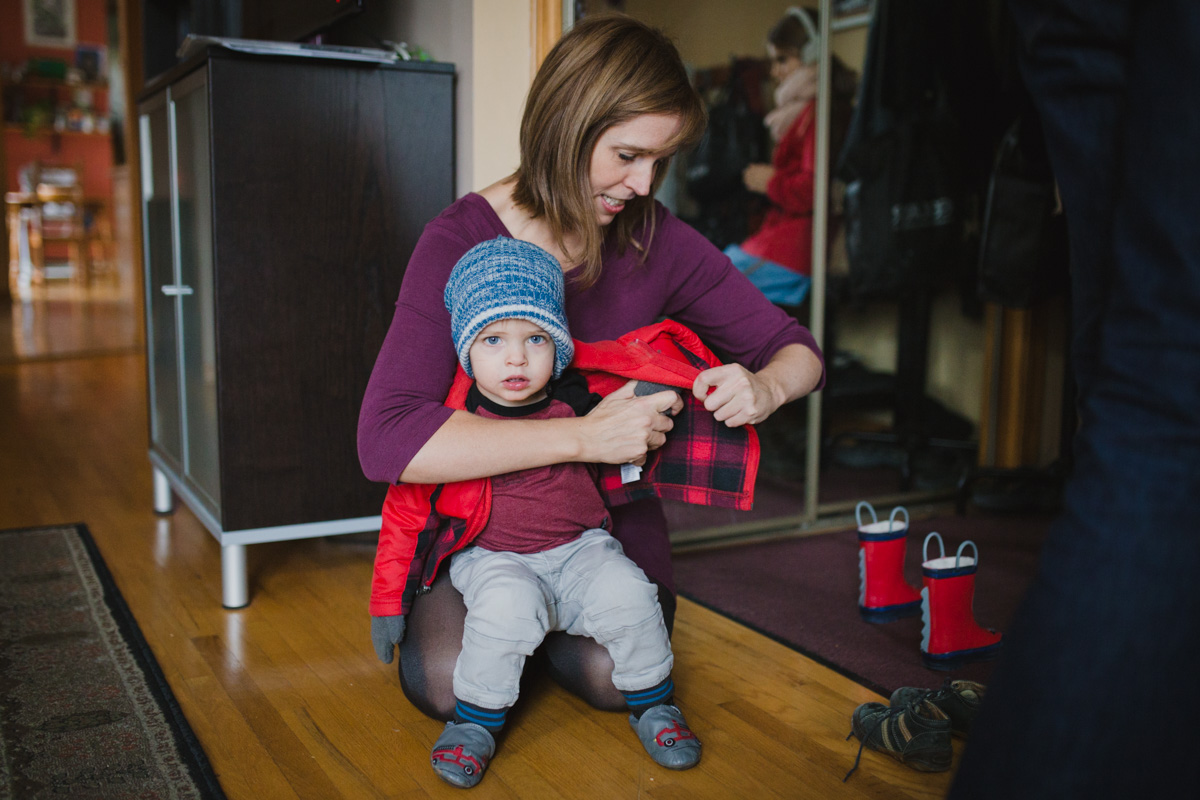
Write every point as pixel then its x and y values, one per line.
pixel 892 518
pixel 941 547
pixel 858 512
pixel 958 555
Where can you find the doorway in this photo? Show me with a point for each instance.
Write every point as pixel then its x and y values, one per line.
pixel 72 283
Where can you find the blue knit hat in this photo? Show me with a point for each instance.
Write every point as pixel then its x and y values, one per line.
pixel 507 279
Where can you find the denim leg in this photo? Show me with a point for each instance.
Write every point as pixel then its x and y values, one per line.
pixel 508 614
pixel 1095 694
pixel 1075 66
pixel 779 284
pixel 605 596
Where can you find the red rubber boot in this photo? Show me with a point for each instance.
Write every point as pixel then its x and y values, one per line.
pixel 950 637
pixel 883 594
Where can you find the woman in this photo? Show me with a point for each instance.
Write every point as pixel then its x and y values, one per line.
pixel 778 256
pixel 606 111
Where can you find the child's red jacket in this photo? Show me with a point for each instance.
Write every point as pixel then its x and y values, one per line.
pixel 702 462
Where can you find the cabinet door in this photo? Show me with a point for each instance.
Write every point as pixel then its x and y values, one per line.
pixel 162 345
pixel 193 191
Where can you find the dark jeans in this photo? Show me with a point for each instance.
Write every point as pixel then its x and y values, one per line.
pixel 1096 693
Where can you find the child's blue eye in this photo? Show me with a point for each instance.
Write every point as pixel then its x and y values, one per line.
pixel 537 338
pixel 491 340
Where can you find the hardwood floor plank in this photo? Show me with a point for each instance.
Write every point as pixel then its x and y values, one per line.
pixel 267 724
pixel 244 766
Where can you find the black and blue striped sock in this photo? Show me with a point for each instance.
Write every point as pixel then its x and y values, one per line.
pixel 644 699
pixel 491 718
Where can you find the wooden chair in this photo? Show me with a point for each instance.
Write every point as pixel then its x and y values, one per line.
pixel 100 240
pixel 21 211
pixel 60 218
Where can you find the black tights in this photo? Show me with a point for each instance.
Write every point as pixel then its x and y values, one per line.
pixel 433 639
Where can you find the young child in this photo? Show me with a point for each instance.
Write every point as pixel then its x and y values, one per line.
pixel 545 560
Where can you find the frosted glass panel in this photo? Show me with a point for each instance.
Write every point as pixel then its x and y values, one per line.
pixel 162 347
pixel 193 181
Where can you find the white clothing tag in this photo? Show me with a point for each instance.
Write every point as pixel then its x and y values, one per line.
pixel 630 473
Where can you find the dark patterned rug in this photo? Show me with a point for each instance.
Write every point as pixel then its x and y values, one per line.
pixel 84 708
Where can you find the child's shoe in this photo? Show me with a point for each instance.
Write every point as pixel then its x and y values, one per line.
pixel 916 735
pixel 461 753
pixel 950 636
pixel 883 594
pixel 958 700
pixel 667 738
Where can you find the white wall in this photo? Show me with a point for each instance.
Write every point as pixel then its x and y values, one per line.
pixel 503 39
pixel 710 32
pixel 956 345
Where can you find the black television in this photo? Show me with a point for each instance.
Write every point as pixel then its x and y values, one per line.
pixel 165 23
pixel 293 20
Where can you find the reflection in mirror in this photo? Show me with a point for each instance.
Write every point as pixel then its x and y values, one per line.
pixel 761 82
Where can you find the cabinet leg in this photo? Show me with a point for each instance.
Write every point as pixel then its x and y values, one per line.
pixel 234 584
pixel 164 501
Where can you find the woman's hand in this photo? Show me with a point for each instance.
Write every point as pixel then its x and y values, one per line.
pixel 757 176
pixel 623 428
pixel 737 396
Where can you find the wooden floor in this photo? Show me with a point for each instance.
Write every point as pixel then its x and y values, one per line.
pixel 287 696
pixel 64 320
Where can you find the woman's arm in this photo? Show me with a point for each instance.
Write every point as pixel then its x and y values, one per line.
pixel 403 405
pixel 791 189
pixel 622 428
pixel 790 184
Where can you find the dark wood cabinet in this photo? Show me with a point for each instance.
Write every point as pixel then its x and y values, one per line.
pixel 282 199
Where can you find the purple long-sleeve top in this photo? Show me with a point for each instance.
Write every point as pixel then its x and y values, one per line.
pixel 684 277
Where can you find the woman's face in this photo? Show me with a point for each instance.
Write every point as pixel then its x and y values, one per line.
pixel 625 159
pixel 783 62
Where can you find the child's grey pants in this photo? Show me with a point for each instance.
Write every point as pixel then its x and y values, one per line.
pixel 587 587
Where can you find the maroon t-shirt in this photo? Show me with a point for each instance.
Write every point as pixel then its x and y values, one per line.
pixel 538 509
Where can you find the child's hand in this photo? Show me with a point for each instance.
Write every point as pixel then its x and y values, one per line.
pixel 386 633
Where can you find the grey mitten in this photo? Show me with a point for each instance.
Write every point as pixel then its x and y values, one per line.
pixel 644 388
pixel 386 632
pixel 651 387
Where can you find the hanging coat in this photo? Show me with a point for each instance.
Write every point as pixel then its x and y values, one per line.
pixel 902 161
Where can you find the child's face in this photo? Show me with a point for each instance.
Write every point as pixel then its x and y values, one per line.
pixel 513 360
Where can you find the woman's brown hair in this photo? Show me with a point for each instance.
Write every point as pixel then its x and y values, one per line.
pixel 605 71
pixel 789 35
